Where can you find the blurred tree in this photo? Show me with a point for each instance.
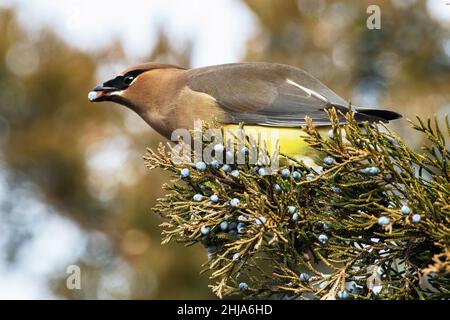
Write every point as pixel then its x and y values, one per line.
pixel 64 147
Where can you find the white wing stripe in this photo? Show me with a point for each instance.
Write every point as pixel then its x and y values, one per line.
pixel 309 92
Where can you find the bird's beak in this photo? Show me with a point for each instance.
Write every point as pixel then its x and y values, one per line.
pixel 101 93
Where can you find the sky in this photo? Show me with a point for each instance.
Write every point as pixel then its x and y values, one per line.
pixel 218 29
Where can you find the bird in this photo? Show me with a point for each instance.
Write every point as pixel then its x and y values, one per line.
pixel 262 97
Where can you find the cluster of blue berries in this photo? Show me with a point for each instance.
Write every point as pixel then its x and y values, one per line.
pixel 235 228
pixel 214 164
pixel 202 166
pixel 343 294
pixel 406 211
pixel 294 214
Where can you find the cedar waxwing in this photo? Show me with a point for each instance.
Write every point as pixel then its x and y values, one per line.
pixel 265 97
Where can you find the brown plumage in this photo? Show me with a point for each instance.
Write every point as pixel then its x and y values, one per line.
pixel 169 97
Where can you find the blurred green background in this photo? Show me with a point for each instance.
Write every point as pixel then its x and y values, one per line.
pixel 73 187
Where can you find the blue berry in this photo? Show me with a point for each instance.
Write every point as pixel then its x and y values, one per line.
pixel 218 148
pixel 212 249
pixel 214 164
pixel 309 177
pixel 330 134
pixel 292 209
pixel 232 225
pixel 205 241
pixel 204 230
pixel 336 189
pixel 343 294
pixel 262 172
pixel 276 187
pixel 184 173
pixel 244 151
pixel 383 221
pixel 371 170
pixel 200 166
pixel 241 227
pixel 226 168
pixel 235 173
pixel 389 177
pixel 214 198
pixel 328 161
pixel 296 175
pixel 374 170
pixel 323 238
pixel 197 197
pixel 416 218
pixel 304 277
pixel 243 286
pixel 285 173
pixel 234 202
pixel 295 217
pixel 224 225
pixel 405 210
pixel 260 220
pixel 233 232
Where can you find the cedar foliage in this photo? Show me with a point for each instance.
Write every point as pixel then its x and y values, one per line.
pixel 372 224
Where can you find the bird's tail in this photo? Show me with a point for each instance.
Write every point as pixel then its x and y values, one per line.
pixel 376 115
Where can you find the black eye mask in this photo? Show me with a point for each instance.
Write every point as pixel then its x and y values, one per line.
pixel 122 82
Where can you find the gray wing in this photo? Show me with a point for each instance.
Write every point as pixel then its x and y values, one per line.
pixel 265 94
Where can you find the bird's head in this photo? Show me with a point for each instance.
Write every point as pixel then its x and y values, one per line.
pixel 128 87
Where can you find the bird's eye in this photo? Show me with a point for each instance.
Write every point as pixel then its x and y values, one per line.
pixel 128 80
